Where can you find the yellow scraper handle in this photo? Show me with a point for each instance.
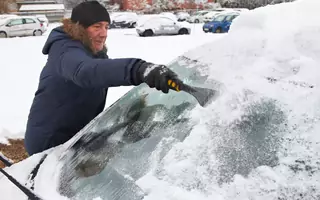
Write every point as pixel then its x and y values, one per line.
pixel 173 85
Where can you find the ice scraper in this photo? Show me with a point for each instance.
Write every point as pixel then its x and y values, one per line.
pixel 203 95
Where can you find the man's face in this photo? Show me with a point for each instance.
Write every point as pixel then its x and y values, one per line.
pixel 98 34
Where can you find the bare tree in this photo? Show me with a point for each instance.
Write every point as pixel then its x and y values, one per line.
pixel 163 5
pixel 5 6
pixel 138 4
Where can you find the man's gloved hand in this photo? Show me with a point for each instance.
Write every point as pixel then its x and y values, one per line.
pixel 159 76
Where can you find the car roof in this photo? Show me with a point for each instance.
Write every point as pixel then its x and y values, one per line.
pixel 158 17
pixel 228 14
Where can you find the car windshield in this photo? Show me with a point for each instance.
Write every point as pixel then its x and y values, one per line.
pixel 143 123
pixel 203 13
pixel 200 13
pixel 220 18
pixel 230 17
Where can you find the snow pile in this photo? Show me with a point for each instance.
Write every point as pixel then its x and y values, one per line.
pixel 259 140
pixel 6 134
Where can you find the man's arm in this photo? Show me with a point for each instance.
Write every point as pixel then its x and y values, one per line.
pixel 88 72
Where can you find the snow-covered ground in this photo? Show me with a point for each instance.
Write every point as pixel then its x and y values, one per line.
pixel 269 65
pixel 22 60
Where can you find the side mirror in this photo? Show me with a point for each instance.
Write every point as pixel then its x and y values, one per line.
pixel 8 25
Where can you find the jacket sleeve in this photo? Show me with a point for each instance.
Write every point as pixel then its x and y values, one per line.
pixel 88 72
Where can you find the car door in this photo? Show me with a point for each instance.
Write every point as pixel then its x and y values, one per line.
pixel 29 26
pixel 227 22
pixel 15 27
pixel 169 26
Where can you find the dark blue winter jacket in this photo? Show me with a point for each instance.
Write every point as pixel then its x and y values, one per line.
pixel 72 90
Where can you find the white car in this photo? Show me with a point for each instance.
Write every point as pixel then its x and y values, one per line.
pixel 21 26
pixel 212 14
pixel 170 15
pixel 162 25
pixel 197 17
pixel 43 19
pixel 182 16
pixel 123 20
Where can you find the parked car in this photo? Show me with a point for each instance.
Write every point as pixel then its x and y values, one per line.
pixel 123 20
pixel 182 16
pixel 161 25
pixel 197 17
pixel 21 26
pixel 220 24
pixel 241 9
pixel 169 15
pixel 210 15
pixel 43 19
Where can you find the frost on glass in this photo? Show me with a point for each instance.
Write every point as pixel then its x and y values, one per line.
pixel 121 145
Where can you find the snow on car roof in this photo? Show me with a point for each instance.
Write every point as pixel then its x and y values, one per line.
pixel 41 7
pixel 154 21
pixel 6 19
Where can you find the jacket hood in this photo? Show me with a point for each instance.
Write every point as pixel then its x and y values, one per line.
pixel 68 31
pixel 55 35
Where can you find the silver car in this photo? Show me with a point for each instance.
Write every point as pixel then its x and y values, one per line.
pixel 14 26
pixel 162 25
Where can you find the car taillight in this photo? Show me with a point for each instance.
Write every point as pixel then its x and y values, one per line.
pixel 41 24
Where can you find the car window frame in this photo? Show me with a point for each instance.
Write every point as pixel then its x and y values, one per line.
pixel 34 21
pixel 9 24
pixel 224 17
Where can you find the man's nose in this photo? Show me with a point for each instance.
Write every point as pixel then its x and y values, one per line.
pixel 103 32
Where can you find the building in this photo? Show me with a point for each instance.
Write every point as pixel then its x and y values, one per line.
pixel 50 8
pixel 30 2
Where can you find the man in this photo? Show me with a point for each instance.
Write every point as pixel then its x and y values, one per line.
pixel 73 84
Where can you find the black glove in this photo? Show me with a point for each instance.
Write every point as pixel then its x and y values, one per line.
pixel 159 76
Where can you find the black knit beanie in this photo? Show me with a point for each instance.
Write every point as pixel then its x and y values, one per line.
pixel 88 13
